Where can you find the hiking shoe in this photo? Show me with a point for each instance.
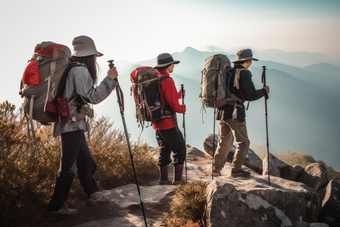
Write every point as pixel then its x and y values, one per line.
pixel 61 213
pixel 96 198
pixel 165 182
pixel 239 173
pixel 217 173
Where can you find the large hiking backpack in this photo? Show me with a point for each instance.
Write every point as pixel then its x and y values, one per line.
pixel 216 82
pixel 146 92
pixel 40 83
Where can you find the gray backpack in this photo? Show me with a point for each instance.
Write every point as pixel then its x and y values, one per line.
pixel 40 82
pixel 216 79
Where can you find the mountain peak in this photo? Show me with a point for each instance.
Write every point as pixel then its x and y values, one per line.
pixel 190 49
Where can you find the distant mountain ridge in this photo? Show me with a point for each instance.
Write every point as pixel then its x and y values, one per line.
pixel 302 108
pixel 298 59
pixel 324 68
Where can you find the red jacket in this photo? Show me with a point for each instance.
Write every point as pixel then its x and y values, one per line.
pixel 170 94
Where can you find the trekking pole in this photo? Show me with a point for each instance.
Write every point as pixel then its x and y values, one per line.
pixel 266 113
pixel 121 108
pixel 215 102
pixel 185 140
pixel 213 160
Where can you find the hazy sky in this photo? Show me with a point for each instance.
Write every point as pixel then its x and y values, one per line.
pixel 135 30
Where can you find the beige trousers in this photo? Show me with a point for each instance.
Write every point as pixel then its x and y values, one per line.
pixel 228 131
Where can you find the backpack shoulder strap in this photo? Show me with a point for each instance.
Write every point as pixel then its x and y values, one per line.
pixel 237 77
pixel 163 77
pixel 62 82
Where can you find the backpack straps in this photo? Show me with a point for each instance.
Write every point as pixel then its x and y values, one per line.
pixel 161 78
pixel 62 82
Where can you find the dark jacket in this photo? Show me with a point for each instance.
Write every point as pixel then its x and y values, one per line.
pixel 249 93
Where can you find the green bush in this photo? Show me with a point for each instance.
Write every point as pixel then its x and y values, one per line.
pixel 28 169
pixel 188 205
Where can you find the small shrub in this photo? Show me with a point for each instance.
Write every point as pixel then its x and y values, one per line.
pixel 188 205
pixel 28 169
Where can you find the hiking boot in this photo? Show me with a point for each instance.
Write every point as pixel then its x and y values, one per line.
pixel 96 198
pixel 178 176
pixel 164 180
pixel 239 173
pixel 217 173
pixel 61 213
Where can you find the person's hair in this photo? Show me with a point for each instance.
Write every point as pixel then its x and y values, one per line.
pixel 90 65
pixel 239 62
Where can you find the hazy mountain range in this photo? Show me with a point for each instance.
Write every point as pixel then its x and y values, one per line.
pixel 303 106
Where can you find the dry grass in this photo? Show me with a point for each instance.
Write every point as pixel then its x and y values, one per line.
pixel 188 205
pixel 28 169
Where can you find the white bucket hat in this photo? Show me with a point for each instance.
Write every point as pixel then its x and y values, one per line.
pixel 84 46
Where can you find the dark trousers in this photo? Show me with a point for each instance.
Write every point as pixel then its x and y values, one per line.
pixel 171 140
pixel 75 153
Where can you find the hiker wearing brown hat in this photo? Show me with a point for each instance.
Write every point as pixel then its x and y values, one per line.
pixel 232 123
pixel 168 136
pixel 80 87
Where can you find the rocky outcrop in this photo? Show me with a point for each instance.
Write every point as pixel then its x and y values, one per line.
pixel 226 206
pixel 193 153
pixel 231 201
pixel 330 210
pixel 314 175
pixel 252 160
pixel 279 168
pixel 297 201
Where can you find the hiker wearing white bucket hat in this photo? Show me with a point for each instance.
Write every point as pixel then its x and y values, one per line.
pixel 78 84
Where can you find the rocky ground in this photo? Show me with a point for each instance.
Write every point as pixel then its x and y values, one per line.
pixel 124 208
pixel 293 197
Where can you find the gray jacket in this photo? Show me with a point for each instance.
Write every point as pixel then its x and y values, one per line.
pixel 79 82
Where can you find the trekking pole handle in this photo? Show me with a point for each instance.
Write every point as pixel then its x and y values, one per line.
pixel 182 89
pixel 111 65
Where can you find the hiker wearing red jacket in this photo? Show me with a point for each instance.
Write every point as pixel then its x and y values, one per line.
pixel 168 136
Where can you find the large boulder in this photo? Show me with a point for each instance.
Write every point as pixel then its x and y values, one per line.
pixel 314 175
pixel 295 172
pixel 279 168
pixel 330 210
pixel 252 160
pixel 298 201
pixel 208 144
pixel 226 206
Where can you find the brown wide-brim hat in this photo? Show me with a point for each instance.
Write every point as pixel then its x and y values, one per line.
pixel 84 46
pixel 243 55
pixel 164 60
